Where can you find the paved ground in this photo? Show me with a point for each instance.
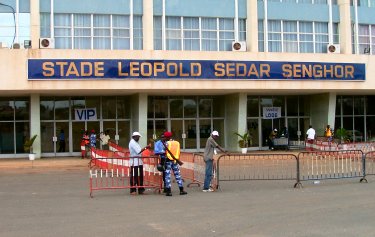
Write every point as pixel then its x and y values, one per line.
pixel 51 198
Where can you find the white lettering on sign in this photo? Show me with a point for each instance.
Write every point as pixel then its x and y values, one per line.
pixel 85 114
pixel 271 112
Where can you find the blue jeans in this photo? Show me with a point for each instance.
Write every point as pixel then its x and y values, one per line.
pixel 208 174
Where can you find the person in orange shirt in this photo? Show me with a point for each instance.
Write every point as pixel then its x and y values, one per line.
pixel 172 165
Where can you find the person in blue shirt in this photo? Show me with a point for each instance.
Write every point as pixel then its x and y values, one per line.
pixel 61 141
pixel 93 139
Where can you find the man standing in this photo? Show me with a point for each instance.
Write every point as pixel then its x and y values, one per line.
pixel 208 157
pixel 310 138
pixel 136 164
pixel 168 156
pixel 272 137
pixel 104 137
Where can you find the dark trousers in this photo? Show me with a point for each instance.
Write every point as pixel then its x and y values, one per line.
pixel 136 178
pixel 61 146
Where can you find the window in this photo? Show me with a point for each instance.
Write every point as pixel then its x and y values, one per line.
pixel 297 36
pixel 366 39
pixel 93 31
pixel 194 33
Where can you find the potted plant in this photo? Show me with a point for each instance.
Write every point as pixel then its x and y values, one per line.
pixel 28 147
pixel 245 140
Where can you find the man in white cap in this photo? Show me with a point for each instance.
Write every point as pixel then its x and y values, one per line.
pixel 136 164
pixel 208 157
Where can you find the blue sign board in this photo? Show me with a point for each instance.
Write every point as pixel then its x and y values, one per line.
pixel 94 69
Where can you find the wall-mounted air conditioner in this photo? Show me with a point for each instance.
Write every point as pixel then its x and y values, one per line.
pixel 239 46
pixel 333 48
pixel 46 43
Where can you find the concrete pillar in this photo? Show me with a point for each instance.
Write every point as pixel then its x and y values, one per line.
pixel 322 111
pixel 148 24
pixel 345 27
pixel 34 23
pixel 235 117
pixel 139 116
pixel 252 26
pixel 35 123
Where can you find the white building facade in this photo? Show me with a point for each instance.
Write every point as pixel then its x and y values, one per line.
pixel 187 66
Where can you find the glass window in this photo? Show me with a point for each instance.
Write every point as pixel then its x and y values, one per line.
pixel 47 107
pixel 209 34
pixel 292 105
pixel 190 108
pixel 6 109
pixel 173 33
pixel 218 108
pixel 158 41
pixel 191 33
pixel 121 32
pixel 102 31
pixel 226 34
pixel 22 109
pixel 108 110
pixel 7 137
pixel 370 108
pixel 61 108
pixel 205 108
pixel 252 106
pixel 306 37
pixel 359 105
pixel 338 105
pixel 347 105
pixel 123 107
pixel 176 106
pixel 290 39
pixel 137 33
pixel 105 32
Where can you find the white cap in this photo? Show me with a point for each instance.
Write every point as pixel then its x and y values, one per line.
pixel 215 133
pixel 136 134
pixel 275 130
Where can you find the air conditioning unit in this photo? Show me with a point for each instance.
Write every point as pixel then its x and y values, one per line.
pixel 46 43
pixel 239 46
pixel 333 48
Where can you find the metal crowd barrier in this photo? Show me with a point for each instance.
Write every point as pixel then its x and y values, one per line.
pixel 370 163
pixel 199 171
pixel 270 166
pixel 330 165
pixel 111 170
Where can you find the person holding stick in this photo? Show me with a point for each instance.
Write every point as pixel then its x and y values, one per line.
pixel 170 152
pixel 136 164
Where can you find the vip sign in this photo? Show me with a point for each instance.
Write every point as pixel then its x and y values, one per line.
pixel 85 114
pixel 271 112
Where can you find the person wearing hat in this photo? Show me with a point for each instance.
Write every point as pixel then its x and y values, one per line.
pixel 136 164
pixel 272 137
pixel 161 149
pixel 208 157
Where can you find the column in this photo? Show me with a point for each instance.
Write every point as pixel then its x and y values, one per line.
pixel 139 116
pixel 345 27
pixel 34 23
pixel 252 26
pixel 235 119
pixel 322 111
pixel 148 25
pixel 35 123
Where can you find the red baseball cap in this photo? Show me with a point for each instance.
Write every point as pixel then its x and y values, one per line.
pixel 167 134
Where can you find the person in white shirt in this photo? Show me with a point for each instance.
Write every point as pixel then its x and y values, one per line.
pixel 104 137
pixel 310 138
pixel 136 164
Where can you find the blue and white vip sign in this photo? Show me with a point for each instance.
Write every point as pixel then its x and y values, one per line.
pixel 271 112
pixel 85 114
